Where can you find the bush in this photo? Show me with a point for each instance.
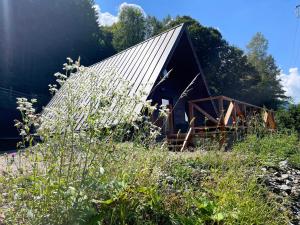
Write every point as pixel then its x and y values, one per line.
pixel 289 118
pixel 55 180
pixel 294 160
pixel 270 149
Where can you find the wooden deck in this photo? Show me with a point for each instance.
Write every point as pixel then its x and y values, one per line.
pixel 228 117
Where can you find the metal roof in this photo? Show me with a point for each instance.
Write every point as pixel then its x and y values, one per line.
pixel 139 65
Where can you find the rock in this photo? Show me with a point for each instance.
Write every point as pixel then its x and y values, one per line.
pixel 295 192
pixel 284 194
pixel 264 169
pixel 276 190
pixel 279 199
pixel 286 188
pixel 280 180
pixel 284 182
pixel 170 179
pixel 283 164
pixel 284 176
pixel 277 174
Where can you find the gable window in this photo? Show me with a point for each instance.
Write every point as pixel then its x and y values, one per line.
pixel 165 102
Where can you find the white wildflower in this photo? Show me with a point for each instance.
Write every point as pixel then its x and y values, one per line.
pixel 101 170
pixel 22 132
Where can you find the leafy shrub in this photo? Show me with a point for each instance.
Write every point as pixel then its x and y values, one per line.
pixel 294 160
pixel 289 118
pixel 271 148
pixel 54 181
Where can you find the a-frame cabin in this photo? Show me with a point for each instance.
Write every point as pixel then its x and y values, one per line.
pixel 146 64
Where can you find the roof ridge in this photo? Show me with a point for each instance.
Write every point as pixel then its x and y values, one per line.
pixel 166 31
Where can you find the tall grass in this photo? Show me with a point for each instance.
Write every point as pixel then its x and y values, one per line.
pixel 62 161
pixel 112 171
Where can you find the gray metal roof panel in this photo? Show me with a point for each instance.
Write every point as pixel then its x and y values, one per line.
pixel 140 65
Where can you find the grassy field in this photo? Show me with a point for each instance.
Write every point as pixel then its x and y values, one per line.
pixel 93 176
pixel 138 185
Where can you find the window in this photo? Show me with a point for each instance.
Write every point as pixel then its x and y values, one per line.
pixel 165 102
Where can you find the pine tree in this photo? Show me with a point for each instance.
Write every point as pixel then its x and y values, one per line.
pixel 270 92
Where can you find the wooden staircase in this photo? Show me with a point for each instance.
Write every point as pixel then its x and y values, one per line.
pixel 180 141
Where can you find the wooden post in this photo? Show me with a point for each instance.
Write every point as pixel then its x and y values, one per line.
pixel 228 113
pixel 209 117
pixel 222 122
pixel 269 120
pixel 170 119
pixel 221 111
pixel 187 139
pixel 234 113
pixel 191 116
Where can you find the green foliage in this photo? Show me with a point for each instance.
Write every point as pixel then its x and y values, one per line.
pixel 270 92
pixel 131 28
pixel 228 70
pixel 106 38
pixel 226 67
pixel 139 186
pixel 71 31
pixel 154 26
pixel 289 118
pixel 270 149
pixel 40 35
pixel 55 181
pixel 294 160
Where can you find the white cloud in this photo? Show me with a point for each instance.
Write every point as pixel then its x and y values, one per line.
pixel 125 4
pixel 291 83
pixel 107 19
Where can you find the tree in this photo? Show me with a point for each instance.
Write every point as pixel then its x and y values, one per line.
pixel 153 26
pixel 226 67
pixel 234 75
pixel 289 118
pixel 35 39
pixel 270 90
pixel 42 34
pixel 130 29
pixel 106 37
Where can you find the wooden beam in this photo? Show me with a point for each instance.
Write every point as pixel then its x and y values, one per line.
pixel 187 139
pixel 191 114
pixel 228 113
pixel 226 99
pixel 238 110
pixel 206 99
pixel 265 117
pixel 205 113
pixel 170 119
pixel 221 110
pixel 241 102
pixel 240 113
pixel 269 120
pixel 272 121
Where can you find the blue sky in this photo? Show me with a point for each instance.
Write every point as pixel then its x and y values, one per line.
pixel 238 21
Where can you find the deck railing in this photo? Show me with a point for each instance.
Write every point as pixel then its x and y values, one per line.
pixel 227 112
